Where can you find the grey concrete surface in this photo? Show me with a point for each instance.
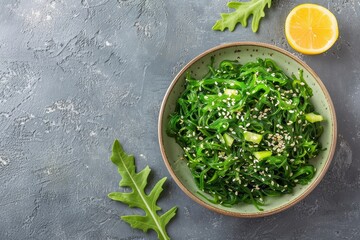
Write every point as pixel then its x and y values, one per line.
pixel 76 74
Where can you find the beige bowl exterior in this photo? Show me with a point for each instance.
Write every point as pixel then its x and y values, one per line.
pixel 245 52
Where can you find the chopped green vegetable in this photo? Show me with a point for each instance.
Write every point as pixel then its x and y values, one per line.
pixel 242 12
pixel 262 154
pixel 312 117
pixel 258 142
pixel 137 197
pixel 228 139
pixel 252 137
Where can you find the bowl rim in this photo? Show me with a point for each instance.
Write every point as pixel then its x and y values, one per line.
pixel 310 187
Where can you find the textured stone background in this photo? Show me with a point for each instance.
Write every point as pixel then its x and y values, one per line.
pixel 76 74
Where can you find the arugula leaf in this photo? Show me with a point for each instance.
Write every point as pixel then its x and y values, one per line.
pixel 242 12
pixel 138 198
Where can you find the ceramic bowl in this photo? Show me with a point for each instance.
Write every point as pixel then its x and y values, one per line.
pixel 244 52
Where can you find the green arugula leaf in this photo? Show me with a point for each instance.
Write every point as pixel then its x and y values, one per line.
pixel 138 198
pixel 242 12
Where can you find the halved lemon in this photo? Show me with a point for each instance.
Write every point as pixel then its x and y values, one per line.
pixel 311 29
